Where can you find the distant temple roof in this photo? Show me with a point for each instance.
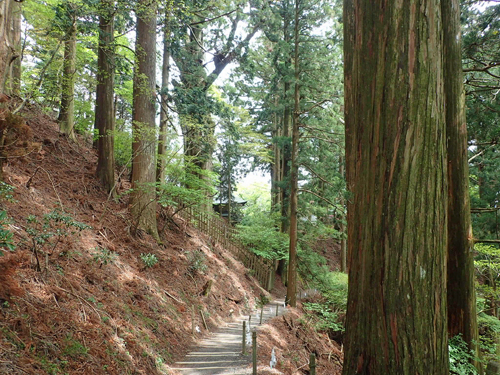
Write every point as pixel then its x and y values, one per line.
pixel 237 199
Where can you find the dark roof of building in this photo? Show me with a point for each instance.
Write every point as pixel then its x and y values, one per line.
pixel 237 199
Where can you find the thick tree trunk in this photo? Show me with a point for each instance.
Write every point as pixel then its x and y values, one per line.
pixel 7 49
pixel 143 197
pixel 462 318
pixel 14 78
pixel 104 108
pixel 165 76
pixel 196 122
pixel 67 109
pixel 396 172
pixel 291 290
pixel 199 142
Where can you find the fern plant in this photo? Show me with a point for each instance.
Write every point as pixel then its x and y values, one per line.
pixel 460 357
pixel 149 259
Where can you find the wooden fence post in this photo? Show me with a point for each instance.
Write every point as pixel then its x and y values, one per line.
pixel 244 343
pixel 192 321
pixel 312 364
pixel 270 280
pixel 254 352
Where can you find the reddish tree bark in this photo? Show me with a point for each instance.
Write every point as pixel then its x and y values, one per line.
pixel 461 294
pixel 396 173
pixel 104 111
pixel 143 197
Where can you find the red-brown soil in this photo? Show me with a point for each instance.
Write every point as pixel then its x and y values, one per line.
pixel 93 306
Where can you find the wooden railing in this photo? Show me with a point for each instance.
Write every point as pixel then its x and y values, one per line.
pixel 226 235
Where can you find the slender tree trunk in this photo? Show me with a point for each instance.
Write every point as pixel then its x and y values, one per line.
pixel 143 197
pixel 286 155
pixel 67 109
pixel 462 317
pixel 276 178
pixel 396 173
pixel 104 108
pixel 291 290
pixel 276 165
pixel 165 76
pixel 278 193
pixel 229 197
pixel 343 243
pixel 285 177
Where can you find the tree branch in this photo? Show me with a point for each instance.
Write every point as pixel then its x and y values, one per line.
pixel 320 139
pixel 229 57
pixel 40 79
pixel 314 106
pixel 341 209
pixel 319 130
pixel 213 18
pixel 483 68
pixel 308 167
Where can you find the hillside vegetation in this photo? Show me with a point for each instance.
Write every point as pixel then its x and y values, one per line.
pixel 80 295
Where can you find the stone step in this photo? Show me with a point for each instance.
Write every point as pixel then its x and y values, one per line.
pixel 220 353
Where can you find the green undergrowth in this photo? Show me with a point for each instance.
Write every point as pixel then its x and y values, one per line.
pixel 6 235
pixel 328 309
pixel 460 357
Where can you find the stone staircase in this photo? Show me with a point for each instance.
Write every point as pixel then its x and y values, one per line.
pixel 221 352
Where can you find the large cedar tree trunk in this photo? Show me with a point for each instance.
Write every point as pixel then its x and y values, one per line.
pixel 105 114
pixel 396 173
pixel 291 290
pixel 143 197
pixel 14 77
pixel 7 48
pixel 461 290
pixel 197 125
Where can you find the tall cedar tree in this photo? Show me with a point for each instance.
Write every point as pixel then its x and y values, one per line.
pixel 7 48
pixel 104 107
pixel 283 175
pixel 67 109
pixel 142 198
pixel 291 290
pixel 165 76
pixel 14 73
pixel 396 173
pixel 193 102
pixel 460 289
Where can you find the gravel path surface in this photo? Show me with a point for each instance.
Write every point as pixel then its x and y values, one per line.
pixel 220 352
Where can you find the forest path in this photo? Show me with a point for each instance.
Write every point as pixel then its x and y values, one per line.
pixel 220 352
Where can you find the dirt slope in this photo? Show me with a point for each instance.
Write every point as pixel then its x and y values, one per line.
pixel 94 306
pixel 90 304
